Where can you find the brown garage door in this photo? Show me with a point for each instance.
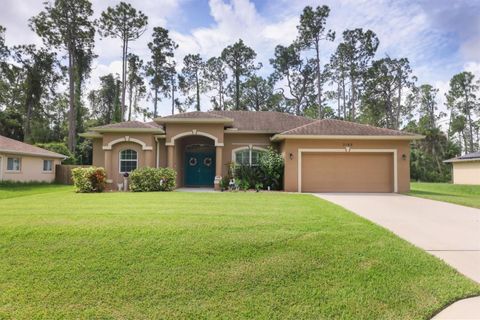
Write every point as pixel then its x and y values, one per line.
pixel 347 172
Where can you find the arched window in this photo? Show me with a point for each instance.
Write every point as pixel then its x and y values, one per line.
pixel 128 160
pixel 248 156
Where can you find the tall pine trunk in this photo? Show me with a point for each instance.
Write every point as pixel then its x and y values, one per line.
pixel 72 115
pixel 124 75
pixel 198 92
pixel 319 83
pixel 237 91
pixel 173 93
pixel 155 103
pixel 130 94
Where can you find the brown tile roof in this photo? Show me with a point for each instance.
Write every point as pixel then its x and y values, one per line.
pixel 331 127
pixel 12 146
pixel 195 115
pixel 266 121
pixel 129 125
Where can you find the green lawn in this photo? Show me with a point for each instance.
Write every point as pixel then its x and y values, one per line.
pixel 14 190
pixel 466 195
pixel 209 255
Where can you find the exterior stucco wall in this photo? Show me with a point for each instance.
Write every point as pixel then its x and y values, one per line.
pixel 291 146
pixel 467 172
pixel 31 169
pixel 98 156
pixel 174 129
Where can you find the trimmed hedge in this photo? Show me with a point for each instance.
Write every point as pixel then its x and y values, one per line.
pixel 86 180
pixel 152 179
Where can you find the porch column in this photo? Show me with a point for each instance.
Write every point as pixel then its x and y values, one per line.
pixel 218 166
pixel 149 158
pixel 170 157
pixel 108 165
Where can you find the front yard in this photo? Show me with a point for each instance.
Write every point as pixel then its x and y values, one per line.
pixel 466 195
pixel 209 255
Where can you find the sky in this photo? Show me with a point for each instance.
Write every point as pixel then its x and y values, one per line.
pixel 439 37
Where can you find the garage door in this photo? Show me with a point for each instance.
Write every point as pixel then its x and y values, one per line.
pixel 347 172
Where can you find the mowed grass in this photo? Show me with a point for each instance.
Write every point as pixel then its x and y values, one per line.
pixel 15 189
pixel 466 195
pixel 210 256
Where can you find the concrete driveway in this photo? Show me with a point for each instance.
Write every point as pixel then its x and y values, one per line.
pixel 448 231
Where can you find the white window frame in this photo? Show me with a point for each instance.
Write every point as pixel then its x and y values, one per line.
pixel 250 148
pixel 51 167
pixel 19 164
pixel 120 160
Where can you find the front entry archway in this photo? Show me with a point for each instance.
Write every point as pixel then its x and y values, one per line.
pixel 199 165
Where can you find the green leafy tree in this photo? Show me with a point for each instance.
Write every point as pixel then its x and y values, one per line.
pixel 135 83
pixel 215 76
pixel 66 24
pixel 298 74
pixel 312 30
pixel 191 79
pixel 105 102
pixel 127 24
pixel 159 68
pixel 258 94
pixel 41 75
pixel 386 83
pixel 463 101
pixel 241 61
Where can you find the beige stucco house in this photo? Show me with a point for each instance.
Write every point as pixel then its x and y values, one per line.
pixel 320 155
pixel 23 162
pixel 466 169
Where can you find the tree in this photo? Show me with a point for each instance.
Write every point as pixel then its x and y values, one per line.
pixel 348 67
pixel 105 102
pixel 424 100
pixel 191 79
pixel 240 59
pixel 386 83
pixel 135 83
pixel 162 50
pixel 258 94
pixel 311 32
pixel 299 75
pixel 215 76
pixel 126 23
pixel 66 24
pixel 41 75
pixel 462 99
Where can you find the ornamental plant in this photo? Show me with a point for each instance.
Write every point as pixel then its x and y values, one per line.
pixel 87 180
pixel 152 179
pixel 271 165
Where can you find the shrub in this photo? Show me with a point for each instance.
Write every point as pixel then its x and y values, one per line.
pixel 271 165
pixel 244 185
pixel 90 179
pixel 152 179
pixel 252 175
pixel 59 147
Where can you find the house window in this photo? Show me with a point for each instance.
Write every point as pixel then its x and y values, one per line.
pixel 47 165
pixel 248 156
pixel 13 164
pixel 128 160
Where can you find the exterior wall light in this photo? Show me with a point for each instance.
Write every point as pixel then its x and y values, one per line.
pixel 291 156
pixel 404 156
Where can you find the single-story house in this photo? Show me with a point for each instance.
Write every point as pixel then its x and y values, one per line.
pixel 24 163
pixel 320 155
pixel 466 168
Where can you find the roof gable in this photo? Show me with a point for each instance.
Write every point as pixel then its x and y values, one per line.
pixel 12 146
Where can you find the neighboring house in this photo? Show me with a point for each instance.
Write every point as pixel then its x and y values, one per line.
pixel 23 162
pixel 466 168
pixel 320 156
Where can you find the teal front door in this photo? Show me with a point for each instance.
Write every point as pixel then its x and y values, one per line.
pixel 199 169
